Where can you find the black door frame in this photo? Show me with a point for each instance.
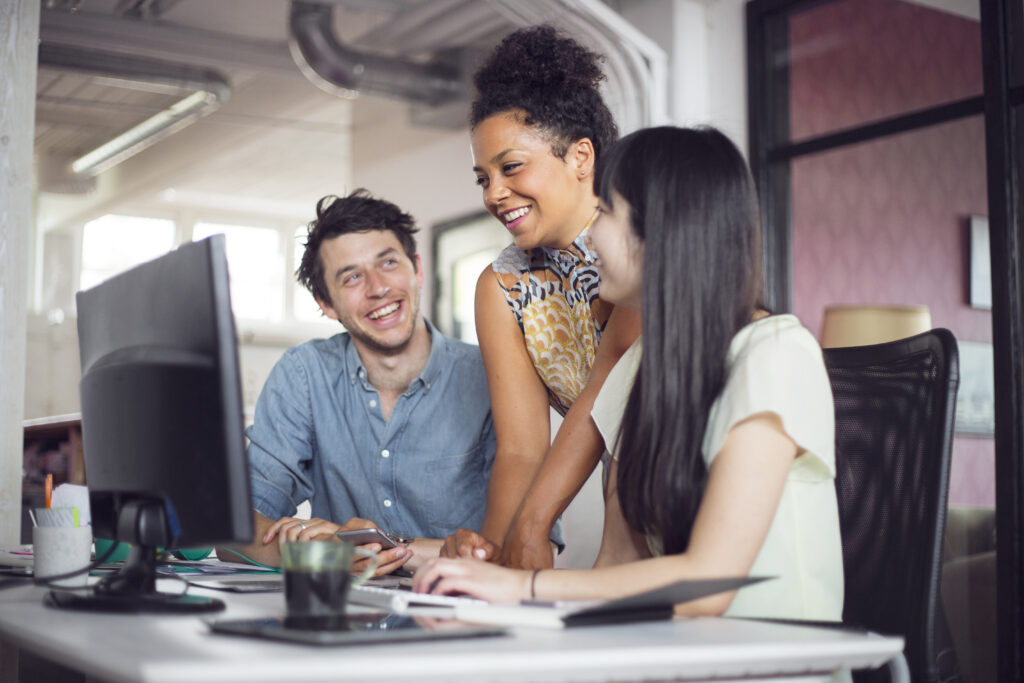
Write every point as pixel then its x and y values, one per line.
pixel 1002 103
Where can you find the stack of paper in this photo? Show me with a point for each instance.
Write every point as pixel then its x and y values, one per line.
pixel 68 506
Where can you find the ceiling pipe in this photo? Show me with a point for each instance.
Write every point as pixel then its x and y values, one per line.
pixel 209 91
pixel 343 71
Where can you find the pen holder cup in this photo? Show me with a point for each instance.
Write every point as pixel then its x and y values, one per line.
pixel 317 575
pixel 61 550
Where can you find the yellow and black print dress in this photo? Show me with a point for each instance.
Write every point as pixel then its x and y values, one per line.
pixel 553 295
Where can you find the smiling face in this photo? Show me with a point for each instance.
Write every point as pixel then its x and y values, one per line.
pixel 620 254
pixel 374 288
pixel 541 199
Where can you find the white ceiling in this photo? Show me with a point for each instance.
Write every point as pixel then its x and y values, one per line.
pixel 276 145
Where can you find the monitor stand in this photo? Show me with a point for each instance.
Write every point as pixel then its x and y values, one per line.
pixel 133 589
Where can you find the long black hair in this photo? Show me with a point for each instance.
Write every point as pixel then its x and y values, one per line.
pixel 553 81
pixel 694 207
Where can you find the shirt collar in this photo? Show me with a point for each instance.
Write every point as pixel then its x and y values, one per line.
pixel 436 361
pixel 576 252
pixel 431 371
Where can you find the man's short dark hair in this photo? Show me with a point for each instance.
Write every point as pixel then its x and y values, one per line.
pixel 359 211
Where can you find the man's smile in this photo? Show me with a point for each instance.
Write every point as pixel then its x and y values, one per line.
pixel 384 311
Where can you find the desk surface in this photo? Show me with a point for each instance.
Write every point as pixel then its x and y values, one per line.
pixel 182 649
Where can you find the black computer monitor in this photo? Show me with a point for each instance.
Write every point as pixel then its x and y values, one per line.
pixel 162 422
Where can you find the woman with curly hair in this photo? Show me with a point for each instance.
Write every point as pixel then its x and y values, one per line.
pixel 720 416
pixel 538 125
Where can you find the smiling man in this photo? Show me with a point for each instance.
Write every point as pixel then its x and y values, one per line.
pixel 387 424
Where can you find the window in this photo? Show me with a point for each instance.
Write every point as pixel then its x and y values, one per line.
pixel 461 250
pixel 113 243
pixel 255 264
pixel 270 306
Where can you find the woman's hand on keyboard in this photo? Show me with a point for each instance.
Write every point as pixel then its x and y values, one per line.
pixel 473 577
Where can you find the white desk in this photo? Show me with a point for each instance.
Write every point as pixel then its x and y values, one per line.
pixel 182 649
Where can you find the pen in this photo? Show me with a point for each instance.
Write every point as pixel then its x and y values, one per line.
pixel 33 516
pixel 49 488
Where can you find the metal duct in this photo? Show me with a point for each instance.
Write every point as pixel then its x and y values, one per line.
pixel 210 90
pixel 341 70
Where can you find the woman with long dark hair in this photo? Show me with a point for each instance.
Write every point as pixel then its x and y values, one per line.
pixel 719 417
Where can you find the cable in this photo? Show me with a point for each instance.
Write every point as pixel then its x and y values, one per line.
pixel 50 580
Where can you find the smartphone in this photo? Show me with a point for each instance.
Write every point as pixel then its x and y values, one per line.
pixel 364 536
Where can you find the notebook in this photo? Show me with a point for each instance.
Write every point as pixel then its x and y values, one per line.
pixel 647 606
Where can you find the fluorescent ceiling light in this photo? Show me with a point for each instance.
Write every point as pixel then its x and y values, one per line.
pixel 147 133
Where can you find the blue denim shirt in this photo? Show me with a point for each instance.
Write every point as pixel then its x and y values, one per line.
pixel 319 434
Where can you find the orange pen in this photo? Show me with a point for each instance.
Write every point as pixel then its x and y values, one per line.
pixel 49 488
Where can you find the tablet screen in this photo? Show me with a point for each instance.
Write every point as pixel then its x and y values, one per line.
pixel 357 628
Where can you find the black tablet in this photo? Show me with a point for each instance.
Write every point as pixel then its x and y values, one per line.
pixel 359 629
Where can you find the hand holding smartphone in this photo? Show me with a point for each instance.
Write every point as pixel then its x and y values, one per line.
pixel 365 536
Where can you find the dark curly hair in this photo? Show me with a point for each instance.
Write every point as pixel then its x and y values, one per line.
pixel 360 211
pixel 554 80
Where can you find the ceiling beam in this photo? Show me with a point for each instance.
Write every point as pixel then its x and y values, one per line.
pixel 164 41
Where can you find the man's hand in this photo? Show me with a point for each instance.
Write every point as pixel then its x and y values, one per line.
pixel 467 543
pixel 387 560
pixel 293 529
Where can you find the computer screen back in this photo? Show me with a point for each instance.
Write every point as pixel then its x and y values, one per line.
pixel 161 400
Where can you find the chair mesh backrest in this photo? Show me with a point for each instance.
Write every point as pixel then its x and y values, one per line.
pixel 894 420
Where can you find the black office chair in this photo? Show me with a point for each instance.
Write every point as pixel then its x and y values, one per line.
pixel 894 406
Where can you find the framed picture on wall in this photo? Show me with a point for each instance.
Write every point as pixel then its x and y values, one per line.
pixel 975 399
pixel 980 277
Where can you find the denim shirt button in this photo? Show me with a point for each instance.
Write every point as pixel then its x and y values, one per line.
pixel 373 403
pixel 385 453
pixel 387 503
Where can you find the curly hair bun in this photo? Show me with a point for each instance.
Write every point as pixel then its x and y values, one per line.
pixel 551 77
pixel 539 58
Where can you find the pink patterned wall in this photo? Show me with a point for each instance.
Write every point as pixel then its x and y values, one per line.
pixel 886 221
pixel 856 61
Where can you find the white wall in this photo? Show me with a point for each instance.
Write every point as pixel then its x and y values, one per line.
pixel 426 171
pixel 705 41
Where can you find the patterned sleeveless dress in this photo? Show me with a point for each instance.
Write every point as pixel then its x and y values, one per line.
pixel 553 295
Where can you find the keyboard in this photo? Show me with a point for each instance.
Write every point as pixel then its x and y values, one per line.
pixel 398 600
